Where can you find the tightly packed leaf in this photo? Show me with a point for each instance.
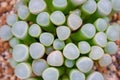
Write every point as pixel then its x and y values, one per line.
pixel 61 39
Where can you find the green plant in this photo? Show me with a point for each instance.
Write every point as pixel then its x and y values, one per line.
pixel 64 40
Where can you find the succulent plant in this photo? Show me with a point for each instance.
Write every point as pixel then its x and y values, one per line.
pixel 64 40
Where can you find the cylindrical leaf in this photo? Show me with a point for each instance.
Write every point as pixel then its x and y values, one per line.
pixel 55 58
pixel 84 47
pixel 76 75
pixel 35 30
pixel 20 53
pixel 111 48
pixel 84 64
pixel 96 53
pixel 46 38
pixel 57 18
pixel 63 32
pixel 19 29
pixel 104 7
pixel 23 70
pixel 37 50
pixel 101 24
pixel 86 32
pixel 100 39
pixel 11 19
pixel 38 66
pixel 71 51
pixel 50 73
pixel 5 33
pixel 37 6
pixel 58 44
pixel 105 60
pixel 95 76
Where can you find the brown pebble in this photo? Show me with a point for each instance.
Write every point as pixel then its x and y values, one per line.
pixel 113 58
pixel 112 67
pixel 4 4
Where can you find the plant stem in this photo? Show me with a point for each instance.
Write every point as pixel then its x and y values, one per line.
pixel 43 19
pixel 88 8
pixel 59 4
pixel 20 31
pixel 85 33
pixel 24 13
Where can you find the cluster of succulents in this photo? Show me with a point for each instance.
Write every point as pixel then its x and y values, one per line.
pixel 61 39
